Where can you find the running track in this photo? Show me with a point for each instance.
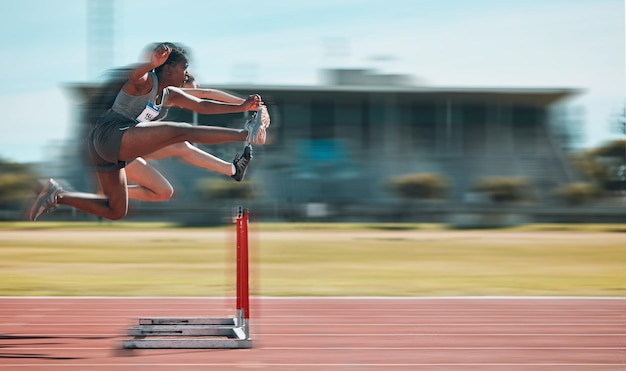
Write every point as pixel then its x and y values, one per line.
pixel 326 334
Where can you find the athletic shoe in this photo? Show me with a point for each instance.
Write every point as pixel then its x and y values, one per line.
pixel 46 201
pixel 257 126
pixel 241 163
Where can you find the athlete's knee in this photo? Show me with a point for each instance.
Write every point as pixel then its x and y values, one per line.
pixel 163 193
pixel 160 189
pixel 117 214
pixel 117 210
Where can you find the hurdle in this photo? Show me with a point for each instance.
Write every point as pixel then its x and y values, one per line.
pixel 204 333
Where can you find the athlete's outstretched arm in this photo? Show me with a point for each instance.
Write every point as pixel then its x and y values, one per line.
pixel 214 94
pixel 180 98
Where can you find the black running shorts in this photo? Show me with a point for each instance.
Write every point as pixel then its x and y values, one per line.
pixel 103 143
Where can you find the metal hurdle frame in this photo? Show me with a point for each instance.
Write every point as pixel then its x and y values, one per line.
pixel 203 333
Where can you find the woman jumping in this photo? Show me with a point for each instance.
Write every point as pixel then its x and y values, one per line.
pixel 131 129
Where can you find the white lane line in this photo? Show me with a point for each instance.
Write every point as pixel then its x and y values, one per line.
pixel 443 348
pixel 441 335
pixel 261 364
pixel 322 298
pixel 616 315
pixel 355 348
pixel 300 335
pixel 402 324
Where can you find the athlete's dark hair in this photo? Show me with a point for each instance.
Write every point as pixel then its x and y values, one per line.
pixel 178 54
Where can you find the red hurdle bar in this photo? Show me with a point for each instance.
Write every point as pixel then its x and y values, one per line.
pixel 243 291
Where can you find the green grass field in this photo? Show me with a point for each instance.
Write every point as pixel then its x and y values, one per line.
pixel 126 259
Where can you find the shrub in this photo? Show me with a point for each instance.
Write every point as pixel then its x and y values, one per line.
pixel 420 186
pixel 505 189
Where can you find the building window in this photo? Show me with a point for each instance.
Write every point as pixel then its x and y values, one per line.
pixel 474 119
pixel 526 123
pixel 366 123
pixel 322 119
pixel 423 123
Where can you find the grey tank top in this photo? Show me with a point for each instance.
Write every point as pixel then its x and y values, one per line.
pixel 132 106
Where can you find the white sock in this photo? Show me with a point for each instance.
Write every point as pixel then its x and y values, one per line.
pixel 233 170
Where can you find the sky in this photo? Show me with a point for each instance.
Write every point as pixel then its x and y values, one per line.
pixel 574 44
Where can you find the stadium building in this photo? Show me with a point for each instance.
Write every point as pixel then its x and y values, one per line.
pixel 335 147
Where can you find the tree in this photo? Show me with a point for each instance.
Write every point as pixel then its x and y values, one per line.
pixel 578 193
pixel 605 165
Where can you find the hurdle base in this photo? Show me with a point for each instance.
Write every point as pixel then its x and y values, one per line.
pixel 189 333
pixel 203 333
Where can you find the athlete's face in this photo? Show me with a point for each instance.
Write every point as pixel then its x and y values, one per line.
pixel 177 74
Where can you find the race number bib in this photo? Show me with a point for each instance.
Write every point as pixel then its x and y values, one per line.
pixel 149 113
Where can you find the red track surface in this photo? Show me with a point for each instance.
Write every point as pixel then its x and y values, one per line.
pixel 326 334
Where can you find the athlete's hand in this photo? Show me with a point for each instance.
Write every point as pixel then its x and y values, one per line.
pixel 253 103
pixel 160 55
